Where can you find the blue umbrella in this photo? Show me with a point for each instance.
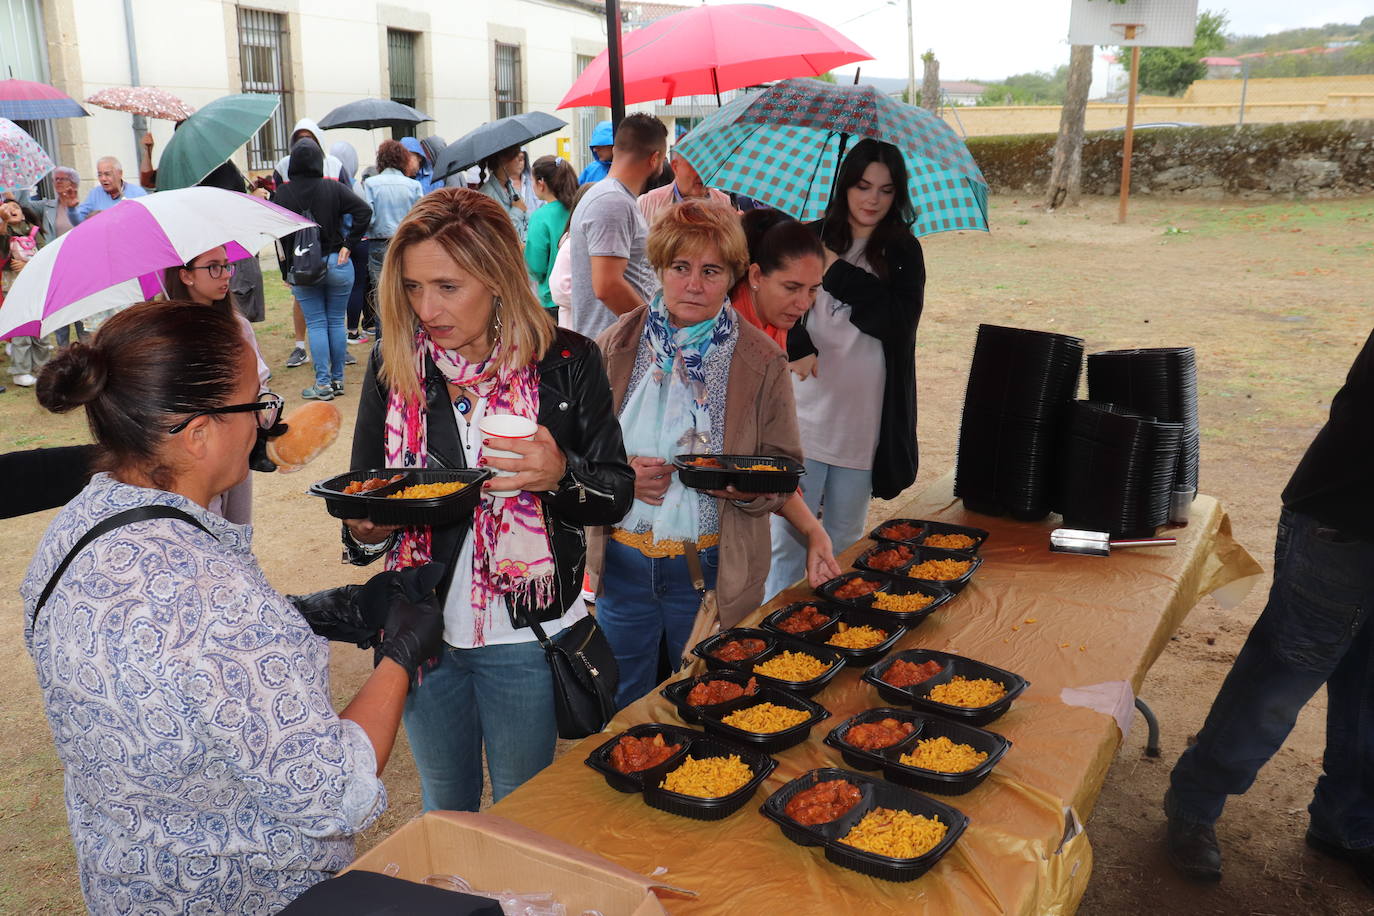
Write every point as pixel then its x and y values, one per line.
pixel 783 146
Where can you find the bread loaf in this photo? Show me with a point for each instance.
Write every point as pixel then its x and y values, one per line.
pixel 311 428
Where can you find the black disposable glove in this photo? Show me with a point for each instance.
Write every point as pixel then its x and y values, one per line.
pixel 257 458
pixel 356 613
pixel 414 633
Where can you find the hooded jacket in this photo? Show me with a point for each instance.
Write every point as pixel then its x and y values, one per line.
pixel 327 202
pixel 333 168
pixel 602 135
pixel 425 175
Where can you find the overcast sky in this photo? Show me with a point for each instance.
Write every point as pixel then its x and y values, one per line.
pixel 991 39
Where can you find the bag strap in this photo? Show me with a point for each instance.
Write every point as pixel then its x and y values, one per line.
pixel 539 634
pixel 118 520
pixel 694 568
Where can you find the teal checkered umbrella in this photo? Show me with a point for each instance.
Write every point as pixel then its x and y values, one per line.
pixel 783 146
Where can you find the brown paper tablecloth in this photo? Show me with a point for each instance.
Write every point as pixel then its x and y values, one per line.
pixel 1099 624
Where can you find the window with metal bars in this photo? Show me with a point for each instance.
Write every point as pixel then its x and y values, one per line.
pixel 508 99
pixel 263 66
pixel 400 65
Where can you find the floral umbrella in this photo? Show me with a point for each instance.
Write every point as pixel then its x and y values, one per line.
pixel 148 101
pixel 22 160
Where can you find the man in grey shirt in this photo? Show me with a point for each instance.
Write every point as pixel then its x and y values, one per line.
pixel 610 270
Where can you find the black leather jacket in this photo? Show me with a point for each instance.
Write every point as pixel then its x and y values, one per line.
pixel 575 406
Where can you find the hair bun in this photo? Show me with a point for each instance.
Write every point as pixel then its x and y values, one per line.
pixel 74 377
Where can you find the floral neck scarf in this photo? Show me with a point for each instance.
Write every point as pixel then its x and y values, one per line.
pixel 512 554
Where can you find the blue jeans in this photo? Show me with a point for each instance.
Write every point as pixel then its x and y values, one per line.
pixel 1313 631
pixel 844 494
pixel 643 599
pixel 64 333
pixel 325 307
pixel 357 296
pixel 500 697
pixel 376 257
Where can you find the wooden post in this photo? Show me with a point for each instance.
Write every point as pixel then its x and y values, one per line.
pixel 1130 127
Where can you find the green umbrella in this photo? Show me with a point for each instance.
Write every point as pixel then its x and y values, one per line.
pixel 210 136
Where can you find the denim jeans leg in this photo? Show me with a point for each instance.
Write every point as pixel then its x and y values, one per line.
pixel 628 611
pixel 844 507
pixel 680 600
pixel 312 300
pixel 63 335
pixel 514 691
pixel 338 286
pixel 445 732
pixel 788 560
pixel 376 257
pixel 358 260
pixel 1306 629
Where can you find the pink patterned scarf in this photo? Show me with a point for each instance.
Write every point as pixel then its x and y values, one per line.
pixel 512 555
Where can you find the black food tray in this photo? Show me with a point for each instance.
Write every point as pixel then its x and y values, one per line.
pixel 782 480
pixel 917 696
pixel 920 555
pixel 874 793
pixel 889 759
pixel 928 528
pixel 768 742
pixel 838 614
pixel 774 643
pixel 892 585
pixel 376 508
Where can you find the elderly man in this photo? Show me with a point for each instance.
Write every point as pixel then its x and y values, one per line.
pixel 59 216
pixel 112 188
pixel 686 183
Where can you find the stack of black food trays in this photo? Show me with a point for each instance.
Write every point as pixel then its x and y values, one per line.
pixel 1019 387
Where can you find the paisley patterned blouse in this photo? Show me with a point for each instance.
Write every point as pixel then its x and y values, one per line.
pixel 205 769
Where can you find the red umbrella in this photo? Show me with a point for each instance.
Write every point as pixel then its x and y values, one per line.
pixel 708 49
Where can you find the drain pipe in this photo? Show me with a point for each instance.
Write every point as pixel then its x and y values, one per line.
pixel 140 123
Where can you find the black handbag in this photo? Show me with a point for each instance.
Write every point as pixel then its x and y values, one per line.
pixel 585 677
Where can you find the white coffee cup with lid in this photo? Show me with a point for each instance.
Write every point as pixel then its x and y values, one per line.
pixel 505 426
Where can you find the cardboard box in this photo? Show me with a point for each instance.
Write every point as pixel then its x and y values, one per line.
pixel 493 854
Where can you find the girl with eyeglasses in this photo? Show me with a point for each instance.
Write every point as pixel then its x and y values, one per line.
pixel 190 701
pixel 204 280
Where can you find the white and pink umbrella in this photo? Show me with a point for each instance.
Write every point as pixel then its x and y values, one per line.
pixel 116 258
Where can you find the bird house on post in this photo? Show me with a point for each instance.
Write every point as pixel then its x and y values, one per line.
pixel 1133 24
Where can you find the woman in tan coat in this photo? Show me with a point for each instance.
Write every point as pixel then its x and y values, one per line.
pixel 688 376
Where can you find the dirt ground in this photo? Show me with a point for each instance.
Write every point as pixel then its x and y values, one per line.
pixel 1275 297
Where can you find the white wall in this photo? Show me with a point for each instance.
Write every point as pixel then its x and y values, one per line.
pixel 185 48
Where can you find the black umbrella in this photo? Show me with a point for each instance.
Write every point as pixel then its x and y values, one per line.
pixel 491 138
pixel 370 113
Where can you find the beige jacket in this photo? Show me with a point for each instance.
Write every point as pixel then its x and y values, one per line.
pixel 760 419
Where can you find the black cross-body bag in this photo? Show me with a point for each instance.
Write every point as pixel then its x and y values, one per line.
pixel 585 677
pixel 118 520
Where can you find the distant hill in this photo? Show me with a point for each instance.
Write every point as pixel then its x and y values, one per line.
pixel 1291 39
pixel 1334 49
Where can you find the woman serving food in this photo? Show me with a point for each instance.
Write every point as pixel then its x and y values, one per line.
pixel 472 343
pixel 204 766
pixel 689 377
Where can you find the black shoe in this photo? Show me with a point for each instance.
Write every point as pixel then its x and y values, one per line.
pixel 1193 850
pixel 1362 860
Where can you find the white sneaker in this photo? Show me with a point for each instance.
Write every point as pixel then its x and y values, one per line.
pixel 25 380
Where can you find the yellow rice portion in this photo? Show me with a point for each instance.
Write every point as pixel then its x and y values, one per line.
pixel 943 756
pixel 901 603
pixel 428 490
pixel 950 541
pixel 792 666
pixel 863 637
pixel 939 570
pixel 708 777
pixel 897 834
pixel 970 693
pixel 765 718
pixel 758 467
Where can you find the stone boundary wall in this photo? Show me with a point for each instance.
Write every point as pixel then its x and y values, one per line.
pixel 1314 159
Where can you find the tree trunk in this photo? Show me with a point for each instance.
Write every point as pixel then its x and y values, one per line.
pixel 1066 175
pixel 930 84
